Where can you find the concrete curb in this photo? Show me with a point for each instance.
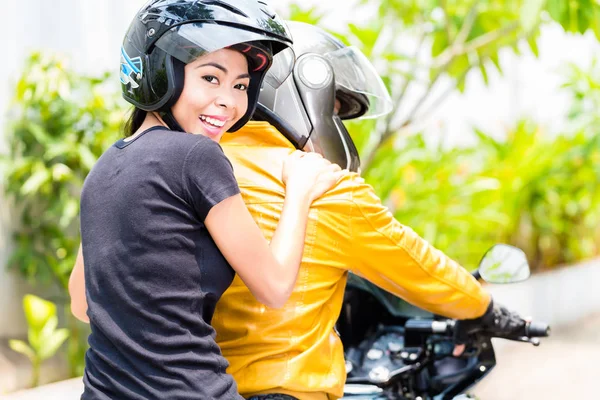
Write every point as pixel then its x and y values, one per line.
pixel 558 297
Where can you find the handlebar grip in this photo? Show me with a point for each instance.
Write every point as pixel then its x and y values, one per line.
pixel 428 326
pixel 537 329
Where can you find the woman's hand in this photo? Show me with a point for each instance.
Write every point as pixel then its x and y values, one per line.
pixel 270 269
pixel 309 175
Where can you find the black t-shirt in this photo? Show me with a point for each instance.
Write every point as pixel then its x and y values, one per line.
pixel 153 273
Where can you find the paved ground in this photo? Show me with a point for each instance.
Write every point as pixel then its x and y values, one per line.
pixel 64 390
pixel 564 366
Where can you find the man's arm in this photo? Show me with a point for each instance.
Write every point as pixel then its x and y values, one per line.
pixel 398 260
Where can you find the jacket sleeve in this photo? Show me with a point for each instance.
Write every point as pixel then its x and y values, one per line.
pixel 398 260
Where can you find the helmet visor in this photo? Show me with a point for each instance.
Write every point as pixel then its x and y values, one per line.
pixel 355 73
pixel 190 41
pixel 283 63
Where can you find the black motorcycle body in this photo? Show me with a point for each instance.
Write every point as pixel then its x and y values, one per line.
pixel 396 351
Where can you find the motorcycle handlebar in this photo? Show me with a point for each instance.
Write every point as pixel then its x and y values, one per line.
pixel 428 326
pixel 533 329
pixel 537 329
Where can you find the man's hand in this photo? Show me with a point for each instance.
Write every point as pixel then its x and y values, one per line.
pixel 497 320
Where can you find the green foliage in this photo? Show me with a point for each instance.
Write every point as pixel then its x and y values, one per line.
pixel 439 194
pixel 584 86
pixel 429 47
pixel 550 189
pixel 576 16
pixel 515 190
pixel 43 336
pixel 60 123
pixel 538 192
pixel 555 202
pixel 310 15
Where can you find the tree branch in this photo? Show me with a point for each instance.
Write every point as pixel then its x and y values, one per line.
pixel 463 34
pixel 475 44
pixel 458 43
pixel 441 98
pixel 489 37
pixel 407 82
pixel 396 102
pixel 390 131
pixel 449 90
pixel 444 6
pixel 455 49
pixel 471 46
pixel 445 60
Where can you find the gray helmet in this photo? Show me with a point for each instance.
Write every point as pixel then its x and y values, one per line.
pixel 167 34
pixel 302 108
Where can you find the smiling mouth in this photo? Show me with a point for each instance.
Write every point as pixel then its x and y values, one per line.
pixel 212 121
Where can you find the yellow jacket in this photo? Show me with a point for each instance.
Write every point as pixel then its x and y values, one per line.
pixel 295 349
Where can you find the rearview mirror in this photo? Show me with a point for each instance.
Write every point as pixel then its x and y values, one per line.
pixel 504 264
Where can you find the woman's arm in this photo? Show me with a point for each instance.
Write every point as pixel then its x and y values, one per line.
pixel 270 271
pixel 77 289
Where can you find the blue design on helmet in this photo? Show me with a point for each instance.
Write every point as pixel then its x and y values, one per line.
pixel 131 66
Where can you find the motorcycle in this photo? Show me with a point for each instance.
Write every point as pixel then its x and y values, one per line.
pixel 396 351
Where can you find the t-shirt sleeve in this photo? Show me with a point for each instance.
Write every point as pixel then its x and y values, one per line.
pixel 207 176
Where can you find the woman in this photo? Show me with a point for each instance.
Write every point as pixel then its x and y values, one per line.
pixel 163 225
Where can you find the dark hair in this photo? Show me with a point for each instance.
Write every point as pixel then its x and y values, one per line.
pixel 134 121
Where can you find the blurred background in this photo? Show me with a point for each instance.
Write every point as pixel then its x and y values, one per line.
pixel 494 137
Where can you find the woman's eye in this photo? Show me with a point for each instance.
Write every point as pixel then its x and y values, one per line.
pixel 210 79
pixel 241 86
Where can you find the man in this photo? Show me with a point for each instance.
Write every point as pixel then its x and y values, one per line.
pixel 295 351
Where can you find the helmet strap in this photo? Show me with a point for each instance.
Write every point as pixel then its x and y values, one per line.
pixel 169 119
pixel 178 81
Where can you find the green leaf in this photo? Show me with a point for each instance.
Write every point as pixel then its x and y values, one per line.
pixel 70 212
pixel 21 347
pixel 39 133
pixel 533 45
pixel 49 328
pixel 367 36
pixel 35 181
pixel 61 172
pixel 484 74
pixel 37 311
pixel 88 159
pixel 308 15
pixel 558 10
pixel 461 85
pixel 494 58
pixel 530 13
pixel 33 336
pixel 459 66
pixel 59 148
pixel 440 43
pixel 52 344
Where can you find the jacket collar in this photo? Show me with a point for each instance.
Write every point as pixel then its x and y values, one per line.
pixel 256 133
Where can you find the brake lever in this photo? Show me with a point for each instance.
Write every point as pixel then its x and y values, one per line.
pixel 534 341
pixel 525 339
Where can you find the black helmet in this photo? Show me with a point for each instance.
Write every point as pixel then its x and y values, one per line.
pixel 167 34
pixel 302 108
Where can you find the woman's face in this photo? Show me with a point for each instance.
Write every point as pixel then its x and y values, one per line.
pixel 214 94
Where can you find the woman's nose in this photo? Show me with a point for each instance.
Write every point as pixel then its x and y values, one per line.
pixel 225 100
